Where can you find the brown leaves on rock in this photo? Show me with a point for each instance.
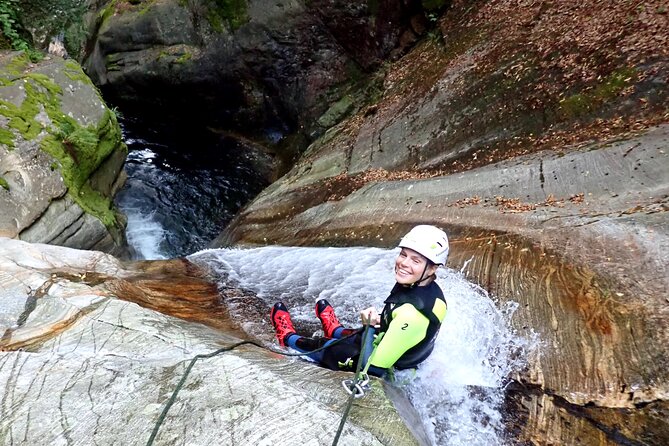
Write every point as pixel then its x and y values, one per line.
pixel 568 59
pixel 573 40
pixel 344 184
pixel 514 205
pixel 469 201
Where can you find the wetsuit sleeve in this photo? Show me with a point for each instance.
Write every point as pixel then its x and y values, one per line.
pixel 407 328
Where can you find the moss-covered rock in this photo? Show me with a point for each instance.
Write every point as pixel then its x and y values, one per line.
pixel 58 137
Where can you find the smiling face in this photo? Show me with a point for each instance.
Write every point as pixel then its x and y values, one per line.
pixel 409 266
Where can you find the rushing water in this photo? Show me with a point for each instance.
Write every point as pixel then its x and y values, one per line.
pixel 458 391
pixel 179 196
pixel 176 203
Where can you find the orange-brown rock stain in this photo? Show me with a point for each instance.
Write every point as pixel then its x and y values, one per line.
pixel 177 288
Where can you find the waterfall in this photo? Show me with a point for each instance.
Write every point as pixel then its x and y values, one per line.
pixel 458 391
pixel 178 198
pixel 175 204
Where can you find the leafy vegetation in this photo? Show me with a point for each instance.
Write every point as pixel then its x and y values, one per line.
pixel 12 31
pixel 53 18
pixel 231 12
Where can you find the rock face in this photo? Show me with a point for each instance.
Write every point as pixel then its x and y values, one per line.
pixel 553 185
pixel 245 65
pixel 99 369
pixel 61 157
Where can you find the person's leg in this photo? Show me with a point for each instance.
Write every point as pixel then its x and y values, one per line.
pixel 304 344
pixel 331 325
pixel 341 332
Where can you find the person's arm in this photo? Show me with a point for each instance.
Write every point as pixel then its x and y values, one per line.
pixel 407 328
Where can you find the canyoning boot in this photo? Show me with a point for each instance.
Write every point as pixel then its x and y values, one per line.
pixel 281 321
pixel 326 314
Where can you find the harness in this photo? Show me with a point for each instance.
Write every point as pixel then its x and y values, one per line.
pixel 422 299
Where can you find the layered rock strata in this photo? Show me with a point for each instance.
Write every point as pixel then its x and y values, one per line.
pixel 83 350
pixel 537 138
pixel 579 241
pixel 273 65
pixel 61 157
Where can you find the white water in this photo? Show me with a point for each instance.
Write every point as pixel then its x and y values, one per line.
pixel 144 234
pixel 458 390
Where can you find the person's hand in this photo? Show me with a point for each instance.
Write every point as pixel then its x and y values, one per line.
pixel 370 316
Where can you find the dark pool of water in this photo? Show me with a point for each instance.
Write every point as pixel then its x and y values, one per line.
pixel 181 192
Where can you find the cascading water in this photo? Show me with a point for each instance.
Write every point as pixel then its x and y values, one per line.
pixel 457 391
pixel 176 203
pixel 176 199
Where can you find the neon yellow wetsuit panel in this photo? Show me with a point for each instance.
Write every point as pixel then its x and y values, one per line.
pixel 407 328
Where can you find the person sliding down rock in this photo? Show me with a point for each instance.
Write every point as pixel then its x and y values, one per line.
pixel 405 331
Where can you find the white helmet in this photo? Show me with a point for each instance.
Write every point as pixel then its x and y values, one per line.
pixel 429 241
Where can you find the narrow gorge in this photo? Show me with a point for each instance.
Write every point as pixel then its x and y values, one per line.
pixel 169 169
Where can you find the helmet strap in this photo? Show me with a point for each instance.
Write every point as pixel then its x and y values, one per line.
pixel 422 279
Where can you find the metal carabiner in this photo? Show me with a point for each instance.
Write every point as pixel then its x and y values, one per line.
pixel 357 391
pixel 363 380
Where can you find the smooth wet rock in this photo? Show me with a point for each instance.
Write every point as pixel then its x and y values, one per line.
pixel 586 262
pixel 80 365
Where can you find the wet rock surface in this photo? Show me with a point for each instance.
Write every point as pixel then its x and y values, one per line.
pixel 83 349
pixel 577 234
pixel 61 157
pixel 579 241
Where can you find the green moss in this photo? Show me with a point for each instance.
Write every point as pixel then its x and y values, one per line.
pixel 107 12
pixel 18 64
pixel 184 58
pixel 78 150
pixel 145 9
pixel 111 62
pixel 580 104
pixel 74 72
pixel 215 21
pixel 614 84
pixel 7 138
pixel 4 184
pixel 232 12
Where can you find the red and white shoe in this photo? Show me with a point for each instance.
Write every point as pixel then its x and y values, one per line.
pixel 281 321
pixel 326 314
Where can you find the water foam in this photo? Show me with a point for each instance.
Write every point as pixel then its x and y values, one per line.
pixel 144 234
pixel 458 390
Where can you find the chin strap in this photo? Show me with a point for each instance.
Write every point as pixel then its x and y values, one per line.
pixel 422 279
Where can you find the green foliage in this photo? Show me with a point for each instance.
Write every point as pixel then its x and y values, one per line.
pixel 49 18
pixel 74 39
pixel 234 13
pixel 11 29
pixel 4 184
